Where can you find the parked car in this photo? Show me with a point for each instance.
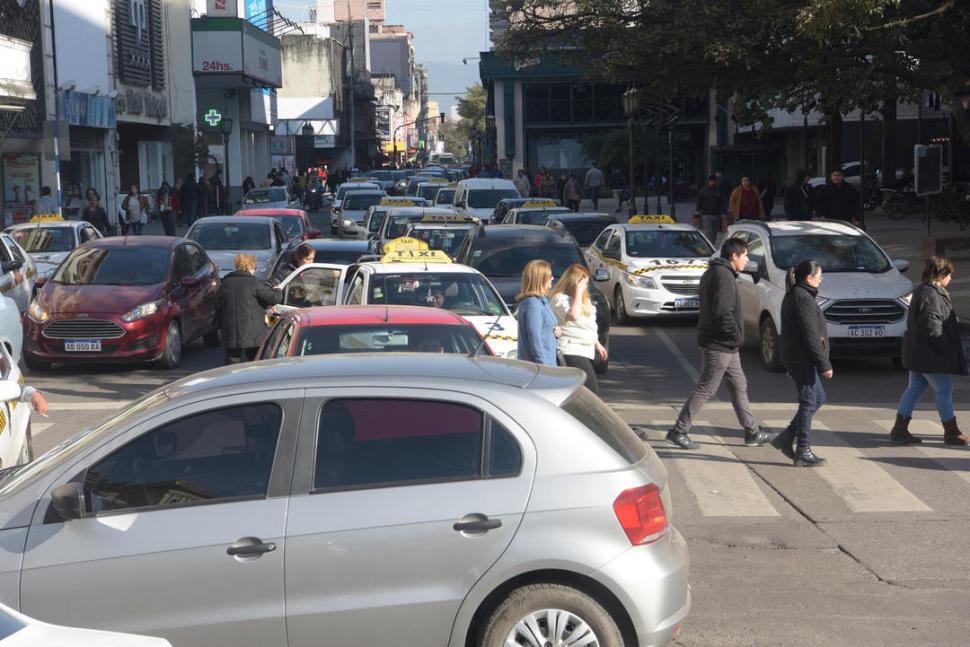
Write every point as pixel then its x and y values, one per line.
pixel 583 227
pixel 225 237
pixel 295 222
pixel 132 299
pixel 445 196
pixel 48 241
pixel 865 297
pixel 398 218
pixel 18 630
pixel 507 204
pixel 18 272
pixel 271 197
pixel 479 196
pixel 371 329
pixel 526 215
pixel 501 254
pixel 440 476
pixel 445 236
pixel 349 218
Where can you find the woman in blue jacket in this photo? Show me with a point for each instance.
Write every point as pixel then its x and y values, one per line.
pixel 538 328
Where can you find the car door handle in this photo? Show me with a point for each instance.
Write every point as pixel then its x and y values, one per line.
pixel 250 547
pixel 478 525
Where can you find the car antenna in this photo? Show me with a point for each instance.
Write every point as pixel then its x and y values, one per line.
pixel 474 355
pixel 387 314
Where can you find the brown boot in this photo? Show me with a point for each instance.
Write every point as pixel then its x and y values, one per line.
pixel 900 432
pixel 952 434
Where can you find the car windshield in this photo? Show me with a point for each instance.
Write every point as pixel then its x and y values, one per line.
pixel 114 266
pixel 9 625
pixel 488 198
pixel 376 220
pixel 399 224
pixel 382 176
pixel 234 236
pixel 535 216
pixel 586 231
pixel 429 191
pixel 351 188
pixel 410 338
pixel 590 411
pixel 292 225
pixel 465 294
pixel 338 256
pixel 835 253
pixel 447 239
pixel 361 201
pixel 262 196
pixel 445 196
pixel 666 243
pixel 38 240
pixel 503 260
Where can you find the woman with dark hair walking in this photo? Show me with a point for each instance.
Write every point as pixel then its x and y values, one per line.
pixel 933 353
pixel 805 355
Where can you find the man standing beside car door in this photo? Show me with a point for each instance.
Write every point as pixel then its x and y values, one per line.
pixel 720 335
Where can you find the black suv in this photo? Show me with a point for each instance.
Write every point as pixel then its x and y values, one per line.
pixel 501 254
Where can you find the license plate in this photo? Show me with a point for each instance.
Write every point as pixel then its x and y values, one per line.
pixel 867 331
pixel 687 304
pixel 82 345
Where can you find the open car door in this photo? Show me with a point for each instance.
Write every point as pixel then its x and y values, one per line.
pixel 315 284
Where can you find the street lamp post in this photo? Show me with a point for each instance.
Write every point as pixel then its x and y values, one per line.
pixel 307 132
pixel 226 126
pixel 631 106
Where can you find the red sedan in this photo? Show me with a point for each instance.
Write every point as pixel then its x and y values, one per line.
pixel 132 299
pixel 295 222
pixel 370 329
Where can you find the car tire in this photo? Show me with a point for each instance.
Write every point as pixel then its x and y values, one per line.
pixel 770 345
pixel 536 602
pixel 172 352
pixel 36 364
pixel 211 338
pixel 619 307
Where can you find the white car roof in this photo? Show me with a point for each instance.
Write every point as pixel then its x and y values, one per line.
pixel 487 183
pixel 677 226
pixel 376 267
pixel 358 186
pixel 802 227
pixel 75 224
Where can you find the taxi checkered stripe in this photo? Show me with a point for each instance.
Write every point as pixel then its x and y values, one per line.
pixel 667 267
pixel 501 337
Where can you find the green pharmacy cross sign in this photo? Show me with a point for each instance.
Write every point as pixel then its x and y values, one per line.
pixel 213 117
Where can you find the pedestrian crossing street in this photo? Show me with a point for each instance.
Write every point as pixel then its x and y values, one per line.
pixel 866 472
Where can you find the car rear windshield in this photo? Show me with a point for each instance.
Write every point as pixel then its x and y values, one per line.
pixel 666 243
pixel 465 294
pixel 399 224
pixel 114 266
pixel 262 196
pixel 376 220
pixel 360 202
pixel 40 240
pixel 445 196
pixel 381 176
pixel 411 338
pixel 338 256
pixel 234 236
pixel 535 216
pixel 603 421
pixel 292 225
pixel 447 239
pixel 488 198
pixel 835 253
pixel 430 191
pixel 586 231
pixel 498 258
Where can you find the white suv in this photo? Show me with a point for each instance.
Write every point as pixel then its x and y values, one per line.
pixel 864 295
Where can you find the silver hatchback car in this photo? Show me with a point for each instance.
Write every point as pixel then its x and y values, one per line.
pixel 367 500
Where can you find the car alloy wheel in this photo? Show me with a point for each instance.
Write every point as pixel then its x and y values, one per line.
pixel 172 354
pixel 619 306
pixel 769 345
pixel 552 627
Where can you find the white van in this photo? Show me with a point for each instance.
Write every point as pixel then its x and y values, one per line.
pixel 478 196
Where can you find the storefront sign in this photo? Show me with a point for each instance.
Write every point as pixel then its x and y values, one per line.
pixel 324 141
pixel 213 117
pixel 232 45
pixel 140 102
pixel 141 58
pixel 15 79
pixel 21 185
pixel 222 8
pixel 80 109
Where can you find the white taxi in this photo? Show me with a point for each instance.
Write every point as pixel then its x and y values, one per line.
pixel 654 266
pixel 15 445
pixel 49 239
pixel 411 274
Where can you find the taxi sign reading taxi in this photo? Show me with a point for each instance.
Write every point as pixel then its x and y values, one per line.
pixel 404 243
pixel 47 217
pixel 398 202
pixel 657 219
pixel 416 256
pixel 446 217
pixel 534 204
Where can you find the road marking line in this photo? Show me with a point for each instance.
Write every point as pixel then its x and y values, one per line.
pixel 679 356
pixel 102 405
pixel 36 428
pixel 721 484
pixel 858 481
pixel 951 458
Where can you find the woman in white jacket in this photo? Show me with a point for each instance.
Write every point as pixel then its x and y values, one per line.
pixel 576 314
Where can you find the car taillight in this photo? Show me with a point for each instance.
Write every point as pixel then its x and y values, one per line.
pixel 641 514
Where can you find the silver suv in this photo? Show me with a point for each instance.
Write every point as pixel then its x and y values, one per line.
pixel 370 500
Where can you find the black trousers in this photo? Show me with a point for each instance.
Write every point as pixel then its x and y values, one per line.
pixel 237 355
pixel 811 397
pixel 586 365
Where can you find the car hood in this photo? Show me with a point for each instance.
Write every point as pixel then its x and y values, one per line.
pixel 484 214
pixel 47 263
pixel 113 299
pixel 864 285
pixel 357 215
pixel 648 265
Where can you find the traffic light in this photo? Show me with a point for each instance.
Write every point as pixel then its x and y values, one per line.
pixel 442 116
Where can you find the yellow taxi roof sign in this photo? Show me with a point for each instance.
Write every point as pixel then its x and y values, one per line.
pixel 404 243
pixel 416 256
pixel 355 180
pixel 398 202
pixel 47 217
pixel 435 180
pixel 532 204
pixel 653 219
pixel 445 217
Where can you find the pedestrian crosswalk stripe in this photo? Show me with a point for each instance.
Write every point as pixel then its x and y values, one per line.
pixel 951 458
pixel 863 485
pixel 96 405
pixel 38 427
pixel 721 484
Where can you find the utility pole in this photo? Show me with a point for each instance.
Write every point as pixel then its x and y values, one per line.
pixel 353 89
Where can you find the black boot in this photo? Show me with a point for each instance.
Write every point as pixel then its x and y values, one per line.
pixel 805 457
pixel 900 432
pixel 785 443
pixel 680 440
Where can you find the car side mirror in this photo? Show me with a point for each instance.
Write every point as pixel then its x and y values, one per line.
pixel 68 501
pixel 901 265
pixel 189 281
pixel 11 266
pixel 601 275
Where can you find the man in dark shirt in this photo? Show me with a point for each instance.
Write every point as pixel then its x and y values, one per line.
pixel 711 208
pixel 838 200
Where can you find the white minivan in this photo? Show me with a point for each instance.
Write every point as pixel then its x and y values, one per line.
pixel 478 196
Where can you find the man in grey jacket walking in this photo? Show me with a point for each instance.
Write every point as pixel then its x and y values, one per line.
pixel 720 335
pixel 594 182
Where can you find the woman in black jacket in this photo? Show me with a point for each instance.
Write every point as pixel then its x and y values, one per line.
pixel 241 309
pixel 302 255
pixel 805 355
pixel 799 197
pixel 932 352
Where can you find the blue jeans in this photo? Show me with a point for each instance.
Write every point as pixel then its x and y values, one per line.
pixel 594 195
pixel 134 228
pixel 811 397
pixel 942 386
